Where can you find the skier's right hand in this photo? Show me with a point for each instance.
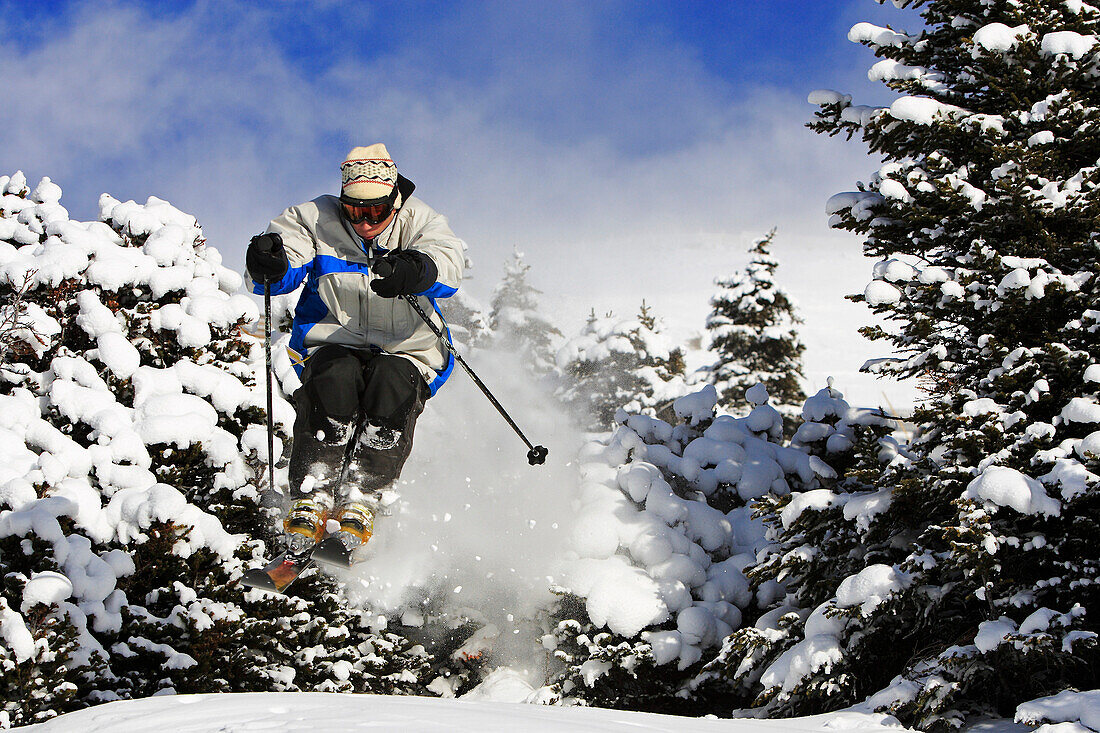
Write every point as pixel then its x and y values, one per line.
pixel 266 259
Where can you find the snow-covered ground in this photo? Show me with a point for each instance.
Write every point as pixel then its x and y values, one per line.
pixel 316 711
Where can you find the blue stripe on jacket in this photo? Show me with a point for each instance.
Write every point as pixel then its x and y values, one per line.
pixel 311 310
pixel 446 371
pixel 292 279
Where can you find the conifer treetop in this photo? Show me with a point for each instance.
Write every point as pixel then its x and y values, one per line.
pixel 753 326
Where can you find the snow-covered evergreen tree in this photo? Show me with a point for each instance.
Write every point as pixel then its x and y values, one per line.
pixel 466 320
pixel 131 432
pixel 961 577
pixel 617 364
pixel 753 329
pixel 666 530
pixel 805 552
pixel 465 315
pixel 515 318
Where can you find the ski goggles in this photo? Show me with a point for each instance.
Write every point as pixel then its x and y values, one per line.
pixel 374 211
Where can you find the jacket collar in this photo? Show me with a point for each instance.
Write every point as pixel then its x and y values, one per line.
pixel 405 187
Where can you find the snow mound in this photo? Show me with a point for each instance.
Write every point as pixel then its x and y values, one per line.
pixel 1068 706
pixel 999 37
pixel 1006 487
pixel 1067 43
pixel 922 110
pixel 293 712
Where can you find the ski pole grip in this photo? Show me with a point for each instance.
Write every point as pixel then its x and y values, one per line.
pixel 537 455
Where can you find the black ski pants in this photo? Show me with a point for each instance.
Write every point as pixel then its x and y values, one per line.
pixel 340 388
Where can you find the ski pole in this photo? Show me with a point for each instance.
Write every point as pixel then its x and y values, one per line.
pixel 269 370
pixel 536 456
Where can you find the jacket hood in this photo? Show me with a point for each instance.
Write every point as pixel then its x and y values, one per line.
pixel 405 186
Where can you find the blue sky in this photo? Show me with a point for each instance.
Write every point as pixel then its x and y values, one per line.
pixel 597 137
pixel 639 79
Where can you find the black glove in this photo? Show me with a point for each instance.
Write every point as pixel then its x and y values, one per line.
pixel 404 272
pixel 266 259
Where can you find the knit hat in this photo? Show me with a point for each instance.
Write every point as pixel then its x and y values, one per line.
pixel 369 174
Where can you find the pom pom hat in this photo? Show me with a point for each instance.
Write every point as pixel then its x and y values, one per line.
pixel 371 188
pixel 369 176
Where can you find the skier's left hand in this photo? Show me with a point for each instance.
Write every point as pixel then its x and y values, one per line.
pixel 404 272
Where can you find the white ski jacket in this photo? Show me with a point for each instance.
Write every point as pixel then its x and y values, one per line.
pixel 337 305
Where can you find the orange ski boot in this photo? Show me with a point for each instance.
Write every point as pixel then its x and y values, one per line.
pixel 304 525
pixel 356 524
pixel 342 548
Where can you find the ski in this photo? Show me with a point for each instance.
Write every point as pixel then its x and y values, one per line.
pixel 280 573
pixel 330 554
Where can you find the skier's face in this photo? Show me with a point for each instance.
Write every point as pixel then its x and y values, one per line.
pixel 370 218
pixel 366 230
pixel 373 214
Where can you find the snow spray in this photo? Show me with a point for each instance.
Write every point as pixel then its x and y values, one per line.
pixel 476 530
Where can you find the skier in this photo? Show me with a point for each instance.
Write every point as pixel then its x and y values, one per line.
pixel 367 361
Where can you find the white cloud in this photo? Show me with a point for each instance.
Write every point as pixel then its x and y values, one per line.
pixel 616 162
